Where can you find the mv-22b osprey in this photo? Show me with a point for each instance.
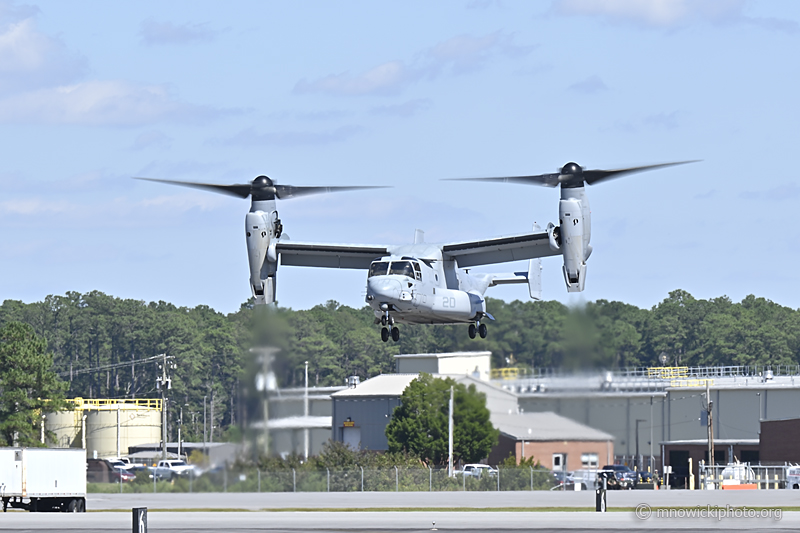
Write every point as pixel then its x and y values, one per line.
pixel 423 283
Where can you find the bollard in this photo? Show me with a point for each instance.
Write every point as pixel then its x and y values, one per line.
pixel 139 520
pixel 600 497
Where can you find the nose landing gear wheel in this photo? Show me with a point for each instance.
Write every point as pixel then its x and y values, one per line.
pixel 384 334
pixel 395 334
pixel 482 331
pixel 472 331
pixel 383 320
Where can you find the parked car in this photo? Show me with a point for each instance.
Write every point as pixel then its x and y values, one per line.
pixel 169 468
pixel 478 470
pixel 106 471
pixel 120 474
pixel 626 477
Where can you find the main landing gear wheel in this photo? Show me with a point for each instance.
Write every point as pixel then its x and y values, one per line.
pixel 395 334
pixel 482 331
pixel 384 334
pixel 472 331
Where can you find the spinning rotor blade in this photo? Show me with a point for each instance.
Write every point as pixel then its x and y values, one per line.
pixel 595 176
pixel 240 191
pixel 284 192
pixel 573 175
pixel 546 180
pixel 262 188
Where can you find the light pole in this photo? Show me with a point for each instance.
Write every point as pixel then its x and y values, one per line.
pixel 651 435
pixel 305 414
pixel 205 451
pixel 450 437
pixel 638 459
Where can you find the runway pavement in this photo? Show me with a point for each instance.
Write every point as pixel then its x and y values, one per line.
pixel 242 522
pixel 415 500
pixel 250 512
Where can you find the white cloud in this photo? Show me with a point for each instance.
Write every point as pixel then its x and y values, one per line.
pixel 152 139
pixel 385 78
pixel 250 137
pixel 671 13
pixel 591 85
pixel 460 54
pixel 405 110
pixel 153 32
pixel 30 59
pixel 101 103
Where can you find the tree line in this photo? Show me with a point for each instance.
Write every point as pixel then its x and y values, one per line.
pixel 99 343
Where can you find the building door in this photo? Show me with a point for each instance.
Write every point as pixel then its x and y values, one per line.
pixel 352 437
pixel 559 462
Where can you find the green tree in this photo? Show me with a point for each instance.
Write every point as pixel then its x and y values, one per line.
pixel 28 385
pixel 419 424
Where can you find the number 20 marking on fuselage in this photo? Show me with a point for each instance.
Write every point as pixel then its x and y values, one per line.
pixel 448 302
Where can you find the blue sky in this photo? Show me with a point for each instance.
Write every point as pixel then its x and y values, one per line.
pixel 402 94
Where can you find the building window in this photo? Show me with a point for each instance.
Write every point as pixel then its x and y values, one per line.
pixel 589 460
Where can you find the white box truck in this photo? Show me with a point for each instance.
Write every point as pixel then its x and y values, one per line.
pixel 43 479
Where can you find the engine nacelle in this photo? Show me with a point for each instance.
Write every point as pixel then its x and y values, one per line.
pixel 554 237
pixel 260 234
pixel 570 213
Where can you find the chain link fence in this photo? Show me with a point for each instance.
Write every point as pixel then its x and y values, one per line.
pixel 351 479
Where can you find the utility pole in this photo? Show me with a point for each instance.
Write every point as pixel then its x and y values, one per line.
pixel 450 437
pixel 164 383
pixel 709 409
pixel 205 435
pixel 305 414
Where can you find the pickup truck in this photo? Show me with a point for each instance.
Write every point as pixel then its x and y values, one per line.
pixel 169 468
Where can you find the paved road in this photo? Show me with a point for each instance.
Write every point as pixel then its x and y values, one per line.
pixel 242 522
pixel 367 500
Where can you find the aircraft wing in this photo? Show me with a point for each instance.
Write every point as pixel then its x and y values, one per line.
pixel 500 249
pixel 329 255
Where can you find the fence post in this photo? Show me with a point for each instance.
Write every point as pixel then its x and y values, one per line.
pixel 259 479
pixel 225 478
pixel 531 478
pixel 396 479
pixel 362 478
pixel 294 480
pixel 154 481
pixel 430 479
pixel 191 477
pixel 329 478
pixel 464 479
pixel 498 478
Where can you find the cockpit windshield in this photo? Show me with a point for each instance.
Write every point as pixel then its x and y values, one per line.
pixel 402 268
pixel 378 268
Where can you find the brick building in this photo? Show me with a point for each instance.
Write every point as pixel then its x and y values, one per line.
pixel 556 442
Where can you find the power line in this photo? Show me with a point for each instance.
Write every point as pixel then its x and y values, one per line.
pixel 71 372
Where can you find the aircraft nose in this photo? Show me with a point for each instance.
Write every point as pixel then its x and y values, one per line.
pixel 383 288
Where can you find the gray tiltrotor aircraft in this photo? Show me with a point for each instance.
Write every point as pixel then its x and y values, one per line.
pixel 423 283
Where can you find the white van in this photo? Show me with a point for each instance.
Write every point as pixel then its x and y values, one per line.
pixel 793 478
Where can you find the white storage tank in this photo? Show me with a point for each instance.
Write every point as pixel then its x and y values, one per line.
pixel 111 425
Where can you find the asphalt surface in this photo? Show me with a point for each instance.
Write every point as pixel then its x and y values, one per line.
pixel 250 512
pixel 365 500
pixel 241 522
